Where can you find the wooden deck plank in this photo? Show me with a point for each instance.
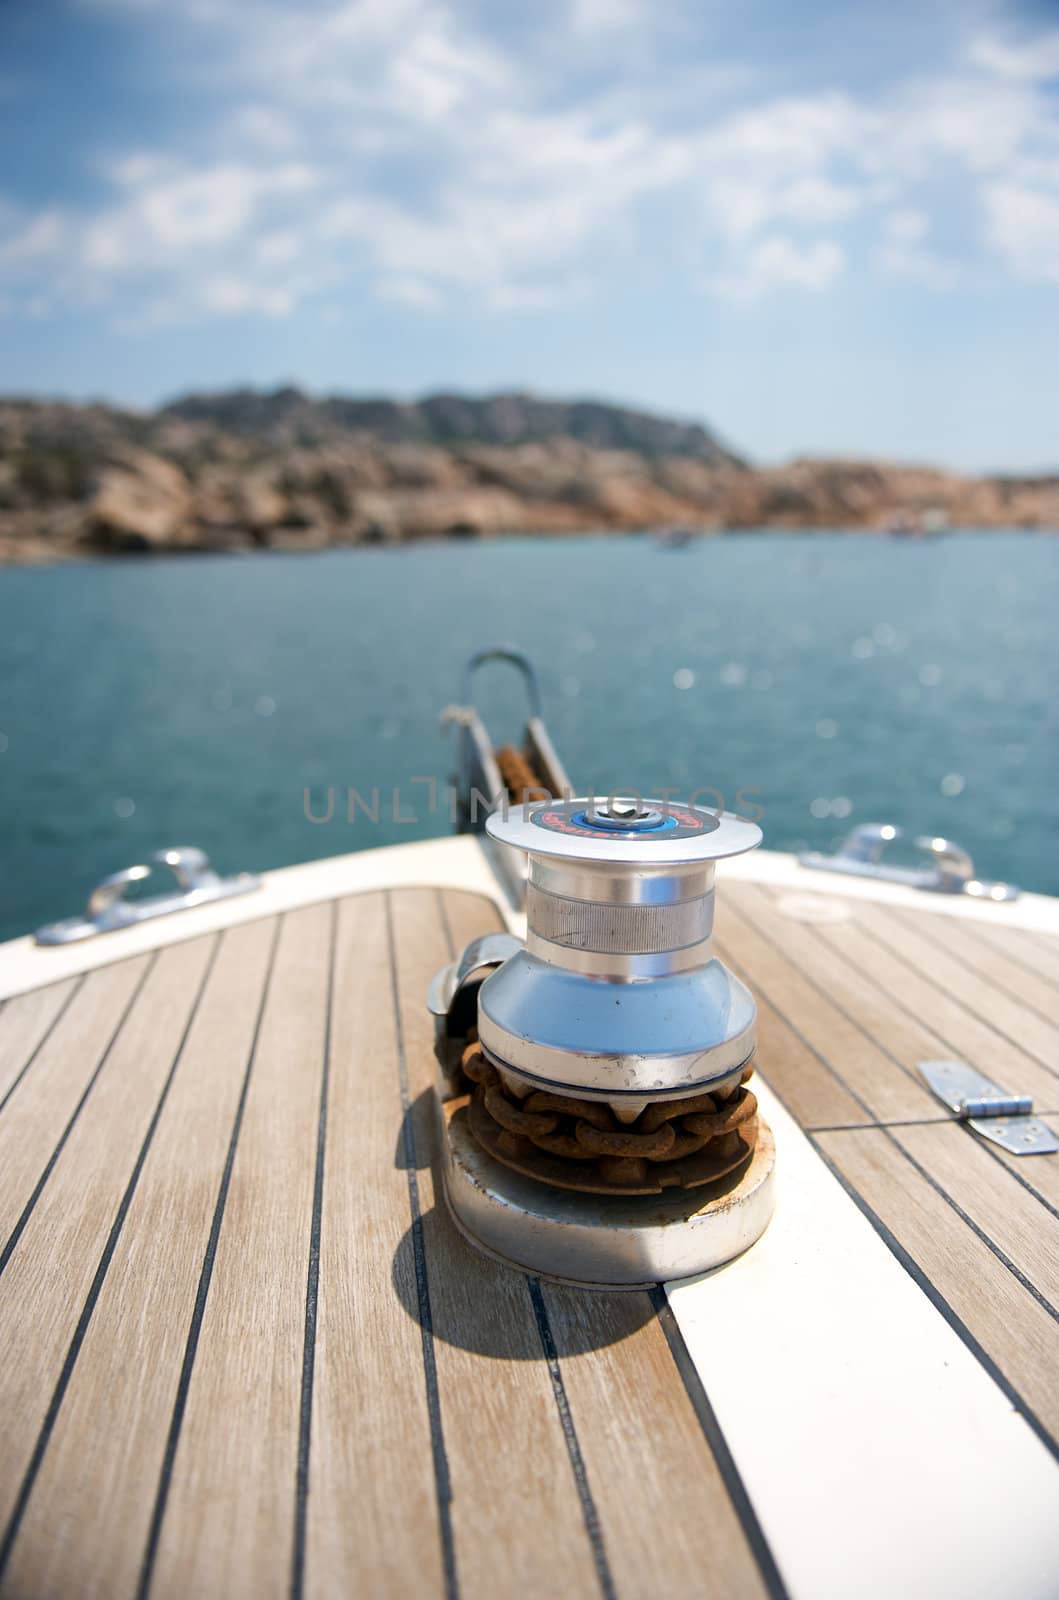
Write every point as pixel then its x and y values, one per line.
pixel 1039 1174
pixel 910 1012
pixel 993 961
pixel 503 1438
pixel 927 945
pixel 130 1360
pixel 988 1194
pixel 372 1518
pixel 864 978
pixel 799 1075
pixel 922 1000
pixel 903 1039
pixel 1015 1332
pixel 49 1276
pixel 1037 952
pixel 228 1520
pixel 843 960
pixel 643 1446
pixel 466 916
pixel 39 1109
pixel 780 967
pixel 24 1024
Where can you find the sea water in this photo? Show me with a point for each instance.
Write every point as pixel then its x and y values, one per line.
pixel 823 679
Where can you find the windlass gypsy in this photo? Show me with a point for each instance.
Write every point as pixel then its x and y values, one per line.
pixel 598 1125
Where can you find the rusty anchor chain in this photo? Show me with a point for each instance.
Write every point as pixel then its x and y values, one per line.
pixel 580 1144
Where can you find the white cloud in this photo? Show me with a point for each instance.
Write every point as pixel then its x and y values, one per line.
pixel 1024 228
pixel 265 127
pixel 408 291
pixel 34 240
pixel 407 62
pixel 175 240
pixel 740 203
pixel 278 249
pixel 435 76
pixel 529 203
pixel 906 253
pixel 167 211
pixel 779 263
pixel 815 199
pixel 604 16
pixel 526 296
pixel 235 296
pixel 1034 61
pixel 979 123
pixel 791 135
pixel 402 146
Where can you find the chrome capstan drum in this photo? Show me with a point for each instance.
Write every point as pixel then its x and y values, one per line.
pixel 600 1128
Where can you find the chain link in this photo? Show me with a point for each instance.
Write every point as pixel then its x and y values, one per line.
pixel 669 1144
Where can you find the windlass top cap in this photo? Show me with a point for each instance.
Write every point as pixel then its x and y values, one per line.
pixel 631 830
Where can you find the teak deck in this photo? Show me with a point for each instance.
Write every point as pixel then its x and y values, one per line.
pixel 245 1353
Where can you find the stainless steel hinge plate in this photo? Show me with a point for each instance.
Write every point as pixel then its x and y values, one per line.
pixel 991 1111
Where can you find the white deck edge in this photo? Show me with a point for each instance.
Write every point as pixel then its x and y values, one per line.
pixel 457 863
pixel 451 863
pixel 880 1457
pixel 1037 912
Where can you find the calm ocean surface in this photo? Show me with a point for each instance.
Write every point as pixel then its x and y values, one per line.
pixel 842 678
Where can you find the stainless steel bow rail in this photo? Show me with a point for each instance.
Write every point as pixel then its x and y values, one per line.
pixel 486 774
pixel 947 868
pixel 480 780
pixel 597 1125
pixel 109 908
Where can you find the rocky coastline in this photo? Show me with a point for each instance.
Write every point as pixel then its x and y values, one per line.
pixel 249 471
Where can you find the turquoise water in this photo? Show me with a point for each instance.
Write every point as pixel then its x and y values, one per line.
pixel 841 678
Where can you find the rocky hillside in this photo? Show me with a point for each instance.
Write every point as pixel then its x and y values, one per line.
pixel 246 470
pixel 288 419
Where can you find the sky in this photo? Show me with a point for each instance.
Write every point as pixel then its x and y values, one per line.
pixel 824 229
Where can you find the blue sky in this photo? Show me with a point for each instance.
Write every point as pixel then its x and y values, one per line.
pixel 823 228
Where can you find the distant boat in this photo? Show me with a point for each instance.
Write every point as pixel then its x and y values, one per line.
pixel 927 524
pixel 674 538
